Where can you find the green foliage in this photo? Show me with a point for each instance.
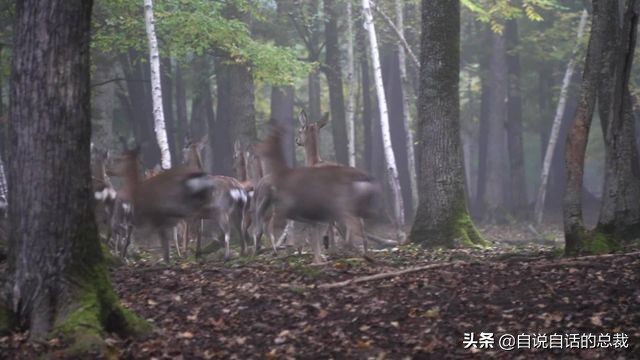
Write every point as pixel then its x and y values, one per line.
pixel 194 27
pixel 495 12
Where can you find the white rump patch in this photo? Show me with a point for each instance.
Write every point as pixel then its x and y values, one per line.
pixel 198 184
pixel 105 194
pixel 251 194
pixel 363 186
pixel 126 207
pixel 238 195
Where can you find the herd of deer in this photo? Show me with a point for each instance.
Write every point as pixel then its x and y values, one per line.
pixel 319 197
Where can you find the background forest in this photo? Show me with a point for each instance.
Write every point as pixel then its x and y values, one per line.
pixel 474 147
pixel 228 67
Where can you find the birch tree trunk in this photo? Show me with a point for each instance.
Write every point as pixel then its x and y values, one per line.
pixel 557 121
pixel 156 88
pixel 392 170
pixel 351 98
pixel 411 158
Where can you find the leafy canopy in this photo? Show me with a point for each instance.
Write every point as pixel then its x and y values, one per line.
pixel 193 27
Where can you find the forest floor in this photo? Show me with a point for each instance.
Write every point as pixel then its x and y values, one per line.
pixel 276 308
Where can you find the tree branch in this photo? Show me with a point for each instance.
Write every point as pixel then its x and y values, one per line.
pixel 117 79
pixel 393 27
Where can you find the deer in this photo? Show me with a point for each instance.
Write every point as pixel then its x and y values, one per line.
pixel 163 200
pixel 229 202
pixel 308 137
pixel 116 213
pixel 323 194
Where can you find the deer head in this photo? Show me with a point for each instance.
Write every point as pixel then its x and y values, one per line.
pixel 308 137
pixel 191 153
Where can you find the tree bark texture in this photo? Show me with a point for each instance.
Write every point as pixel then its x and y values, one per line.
pixel 156 87
pixel 576 147
pixel 620 210
pixel 442 218
pixel 58 278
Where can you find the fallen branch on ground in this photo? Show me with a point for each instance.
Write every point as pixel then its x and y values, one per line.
pixel 390 274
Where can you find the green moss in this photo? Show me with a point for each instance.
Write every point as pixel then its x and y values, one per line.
pixel 95 312
pixel 600 243
pixel 465 231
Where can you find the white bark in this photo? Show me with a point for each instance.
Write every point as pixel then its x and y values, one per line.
pixel 351 99
pixel 557 121
pixel 156 89
pixel 411 158
pixel 392 170
pixel 400 34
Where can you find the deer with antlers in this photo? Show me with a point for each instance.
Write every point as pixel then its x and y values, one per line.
pixel 323 194
pixel 163 200
pixel 229 201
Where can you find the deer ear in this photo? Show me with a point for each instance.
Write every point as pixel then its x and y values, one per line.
pixel 324 120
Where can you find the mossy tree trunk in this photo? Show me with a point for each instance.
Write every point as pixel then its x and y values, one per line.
pixel 605 80
pixel 58 279
pixel 442 218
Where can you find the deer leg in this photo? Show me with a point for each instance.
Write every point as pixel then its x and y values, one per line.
pixel 355 225
pixel 223 223
pixel 164 241
pixel 316 237
pixel 127 240
pixel 174 233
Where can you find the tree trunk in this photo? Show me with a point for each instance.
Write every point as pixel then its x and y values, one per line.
pixel 181 109
pixel 167 106
pixel 392 171
pixel 557 121
pixel 351 85
pixel 575 234
pixel 367 107
pixel 406 120
pixel 236 113
pixel 138 106
pixel 494 196
pixel 620 210
pixel 515 147
pixel 483 127
pixel 156 88
pixel 58 277
pixel 442 218
pixel 282 97
pixel 103 103
pixel 333 72
pixel 393 92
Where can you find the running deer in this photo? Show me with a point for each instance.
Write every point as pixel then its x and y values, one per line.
pixel 163 200
pixel 229 202
pixel 113 212
pixel 308 137
pixel 320 194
